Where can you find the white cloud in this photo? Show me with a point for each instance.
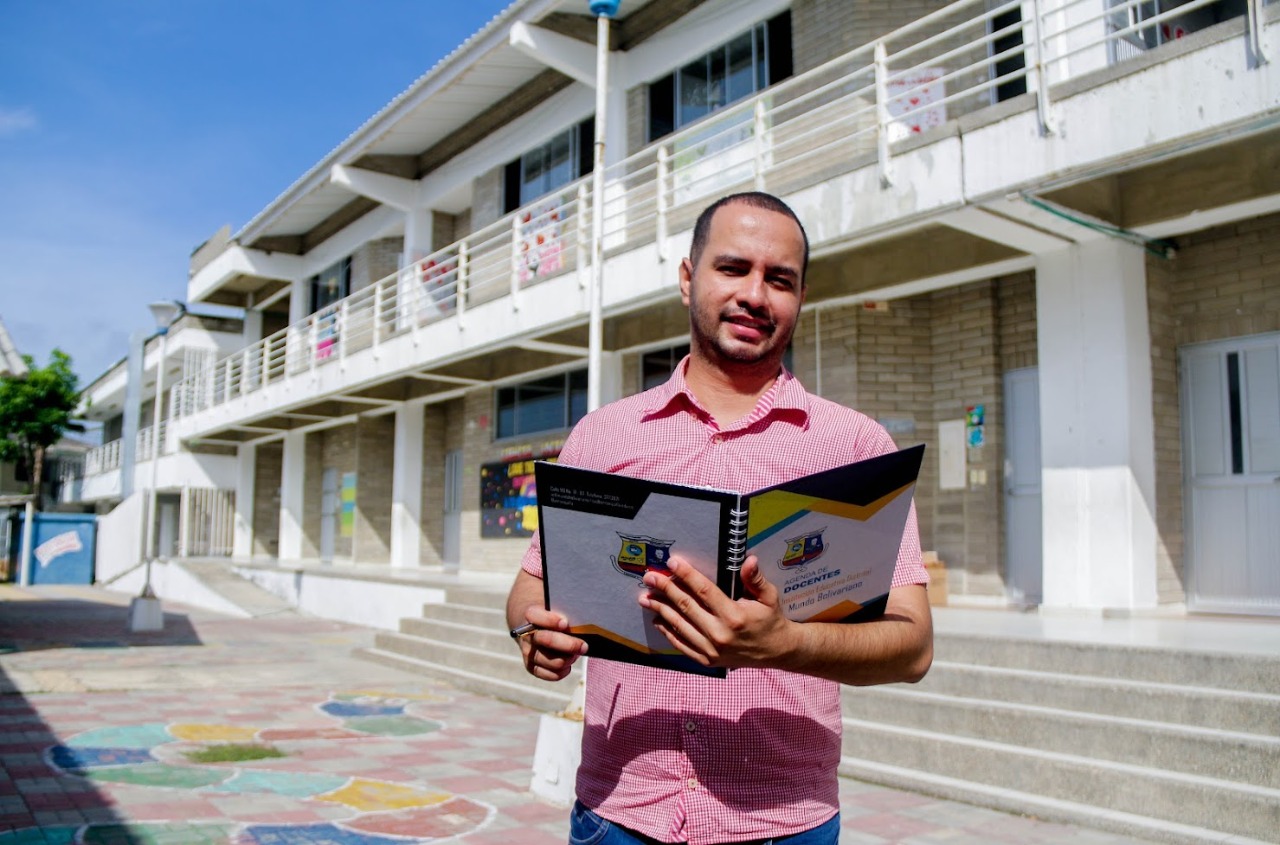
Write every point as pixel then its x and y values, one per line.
pixel 13 121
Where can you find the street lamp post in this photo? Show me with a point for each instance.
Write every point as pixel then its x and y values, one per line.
pixel 603 10
pixel 559 748
pixel 145 613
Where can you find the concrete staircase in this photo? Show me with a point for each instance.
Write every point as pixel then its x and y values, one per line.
pixel 1172 745
pixel 1167 744
pixel 465 642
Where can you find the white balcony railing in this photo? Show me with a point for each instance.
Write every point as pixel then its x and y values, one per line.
pixel 104 458
pixel 144 445
pixel 833 119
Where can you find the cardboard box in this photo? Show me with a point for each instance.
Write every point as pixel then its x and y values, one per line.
pixel 937 579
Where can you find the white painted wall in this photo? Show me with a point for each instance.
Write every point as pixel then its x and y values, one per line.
pixel 374 604
pixel 1097 430
pixel 119 540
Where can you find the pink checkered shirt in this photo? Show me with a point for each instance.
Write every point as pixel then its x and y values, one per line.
pixel 680 757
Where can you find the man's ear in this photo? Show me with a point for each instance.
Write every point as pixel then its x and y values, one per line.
pixel 686 279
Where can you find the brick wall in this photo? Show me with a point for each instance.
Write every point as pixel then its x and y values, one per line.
pixel 637 118
pixel 824 29
pixel 375 459
pixel 472 418
pixel 268 467
pixel 444 230
pixel 967 374
pixel 486 199
pixel 336 448
pixel 374 260
pixel 1016 307
pixel 1224 283
pixel 1161 282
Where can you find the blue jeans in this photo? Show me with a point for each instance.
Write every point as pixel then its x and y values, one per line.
pixel 586 828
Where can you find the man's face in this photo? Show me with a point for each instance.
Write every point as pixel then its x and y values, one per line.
pixel 745 294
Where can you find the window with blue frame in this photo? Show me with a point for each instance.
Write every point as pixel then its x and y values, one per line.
pixel 548 404
pixel 546 167
pixel 738 68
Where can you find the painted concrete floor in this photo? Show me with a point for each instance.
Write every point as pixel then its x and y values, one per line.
pixel 101 732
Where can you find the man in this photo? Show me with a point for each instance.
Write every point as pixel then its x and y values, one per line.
pixel 674 757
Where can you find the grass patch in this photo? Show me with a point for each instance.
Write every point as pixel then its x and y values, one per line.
pixel 232 752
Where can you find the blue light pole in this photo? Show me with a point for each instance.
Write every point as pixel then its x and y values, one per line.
pixel 604 10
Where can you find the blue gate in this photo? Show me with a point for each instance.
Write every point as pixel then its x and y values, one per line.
pixel 62 547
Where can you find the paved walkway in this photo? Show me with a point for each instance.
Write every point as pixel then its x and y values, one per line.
pixel 268 731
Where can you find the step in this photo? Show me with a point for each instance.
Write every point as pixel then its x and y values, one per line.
pixel 467 614
pixel 1175 703
pixel 1183 799
pixel 1203 751
pixel 551 699
pixel 1240 672
pixel 486 638
pixel 477 596
pixel 504 666
pixel 1028 804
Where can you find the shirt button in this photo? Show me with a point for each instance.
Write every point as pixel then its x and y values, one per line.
pixel 691 726
pixel 717 440
pixel 693 783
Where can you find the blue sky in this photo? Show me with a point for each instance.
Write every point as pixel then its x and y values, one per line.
pixel 132 130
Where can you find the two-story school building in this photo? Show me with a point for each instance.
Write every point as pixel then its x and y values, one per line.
pixel 1046 243
pixel 194 482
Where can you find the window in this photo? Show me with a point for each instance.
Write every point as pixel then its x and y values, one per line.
pixel 548 404
pixel 550 166
pixel 657 367
pixel 331 285
pixel 736 69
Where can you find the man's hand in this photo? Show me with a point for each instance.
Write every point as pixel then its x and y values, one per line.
pixel 706 625
pixel 709 627
pixel 549 652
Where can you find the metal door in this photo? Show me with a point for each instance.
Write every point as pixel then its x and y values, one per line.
pixel 452 550
pixel 329 507
pixel 1231 460
pixel 1023 548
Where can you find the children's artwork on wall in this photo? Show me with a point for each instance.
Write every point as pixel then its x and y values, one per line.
pixel 540 244
pixel 915 102
pixel 508 499
pixel 347 522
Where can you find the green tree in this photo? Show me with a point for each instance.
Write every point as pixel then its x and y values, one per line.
pixel 35 411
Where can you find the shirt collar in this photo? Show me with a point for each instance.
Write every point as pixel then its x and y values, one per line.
pixel 786 397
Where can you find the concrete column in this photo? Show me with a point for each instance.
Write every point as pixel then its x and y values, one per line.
pixel 418 235
pixel 1097 429
pixel 292 494
pixel 252 326
pixel 615 127
pixel 299 300
pixel 406 487
pixel 610 377
pixel 246 467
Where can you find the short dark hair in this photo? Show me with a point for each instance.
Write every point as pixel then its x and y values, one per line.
pixel 755 199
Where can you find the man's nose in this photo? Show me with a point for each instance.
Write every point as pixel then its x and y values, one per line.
pixel 751 291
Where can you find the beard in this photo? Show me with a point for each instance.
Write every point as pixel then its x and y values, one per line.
pixel 714 335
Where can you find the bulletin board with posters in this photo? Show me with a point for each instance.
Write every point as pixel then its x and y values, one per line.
pixel 508 499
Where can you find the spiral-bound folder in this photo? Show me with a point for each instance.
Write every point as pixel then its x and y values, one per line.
pixel 827 541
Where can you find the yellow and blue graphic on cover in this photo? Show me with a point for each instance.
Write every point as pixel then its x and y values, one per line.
pixel 639 554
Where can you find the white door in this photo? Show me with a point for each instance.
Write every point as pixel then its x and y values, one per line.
pixel 452 551
pixel 1231 461
pixel 328 513
pixel 1024 557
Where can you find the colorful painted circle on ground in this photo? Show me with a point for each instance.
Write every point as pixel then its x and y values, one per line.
pixel 214 760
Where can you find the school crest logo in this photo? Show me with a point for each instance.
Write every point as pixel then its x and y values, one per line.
pixel 638 554
pixel 803 549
